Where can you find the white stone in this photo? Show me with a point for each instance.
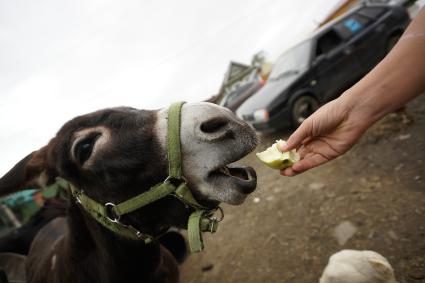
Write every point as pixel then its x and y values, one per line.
pixel 351 266
pixel 316 186
pixel 344 231
pixel 404 137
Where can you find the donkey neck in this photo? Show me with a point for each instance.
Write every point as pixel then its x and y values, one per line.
pixel 114 258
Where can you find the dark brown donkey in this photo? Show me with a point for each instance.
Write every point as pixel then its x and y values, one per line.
pixel 113 155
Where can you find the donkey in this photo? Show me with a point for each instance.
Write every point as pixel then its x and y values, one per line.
pixel 19 240
pixel 118 153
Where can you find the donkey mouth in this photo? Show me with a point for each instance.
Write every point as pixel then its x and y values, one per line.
pixel 242 178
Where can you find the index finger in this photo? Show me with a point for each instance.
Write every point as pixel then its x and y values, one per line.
pixel 297 137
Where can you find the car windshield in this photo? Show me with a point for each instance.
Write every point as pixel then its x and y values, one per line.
pixel 290 62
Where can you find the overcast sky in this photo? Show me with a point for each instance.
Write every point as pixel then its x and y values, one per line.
pixel 59 59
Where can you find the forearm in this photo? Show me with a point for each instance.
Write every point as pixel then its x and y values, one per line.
pixel 398 78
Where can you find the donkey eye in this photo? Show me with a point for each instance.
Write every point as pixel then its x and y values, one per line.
pixel 84 148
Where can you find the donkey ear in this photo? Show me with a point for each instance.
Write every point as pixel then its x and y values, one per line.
pixel 30 172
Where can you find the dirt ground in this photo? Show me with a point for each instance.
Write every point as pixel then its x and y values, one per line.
pixel 285 231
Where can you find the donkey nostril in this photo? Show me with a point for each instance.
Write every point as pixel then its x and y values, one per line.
pixel 214 125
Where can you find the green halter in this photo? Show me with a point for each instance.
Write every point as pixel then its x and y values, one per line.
pixel 109 214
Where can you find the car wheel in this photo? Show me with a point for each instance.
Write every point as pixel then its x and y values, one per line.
pixel 303 107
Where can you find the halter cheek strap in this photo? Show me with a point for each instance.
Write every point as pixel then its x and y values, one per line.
pixel 173 141
pixel 109 214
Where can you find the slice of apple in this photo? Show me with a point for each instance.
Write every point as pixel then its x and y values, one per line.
pixel 276 159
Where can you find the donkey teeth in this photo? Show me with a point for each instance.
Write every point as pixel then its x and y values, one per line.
pixel 225 170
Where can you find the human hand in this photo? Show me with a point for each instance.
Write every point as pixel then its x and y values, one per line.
pixel 328 133
pixel 335 128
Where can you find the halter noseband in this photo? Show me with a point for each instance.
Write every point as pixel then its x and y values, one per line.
pixel 109 214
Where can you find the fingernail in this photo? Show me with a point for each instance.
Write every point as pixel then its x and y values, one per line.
pixel 284 148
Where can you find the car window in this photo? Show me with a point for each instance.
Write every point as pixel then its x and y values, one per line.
pixel 352 25
pixel 328 42
pixel 293 60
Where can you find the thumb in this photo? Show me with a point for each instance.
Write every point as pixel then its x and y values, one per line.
pixel 295 140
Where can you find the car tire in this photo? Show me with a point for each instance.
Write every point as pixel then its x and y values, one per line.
pixel 303 107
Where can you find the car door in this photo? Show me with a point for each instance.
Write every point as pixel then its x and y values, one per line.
pixel 370 41
pixel 335 63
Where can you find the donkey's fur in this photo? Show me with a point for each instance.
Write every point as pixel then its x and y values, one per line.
pixel 113 155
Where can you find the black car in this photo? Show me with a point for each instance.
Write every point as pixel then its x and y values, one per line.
pixel 320 68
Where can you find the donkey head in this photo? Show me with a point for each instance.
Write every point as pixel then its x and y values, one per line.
pixel 118 153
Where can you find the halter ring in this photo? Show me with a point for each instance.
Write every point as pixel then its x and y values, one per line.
pixel 212 218
pixel 110 214
pixel 181 179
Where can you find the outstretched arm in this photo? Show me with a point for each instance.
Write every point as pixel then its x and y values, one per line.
pixel 336 127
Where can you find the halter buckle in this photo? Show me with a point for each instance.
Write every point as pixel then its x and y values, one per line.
pixel 110 214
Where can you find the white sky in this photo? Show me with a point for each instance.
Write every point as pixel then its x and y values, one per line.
pixel 59 59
